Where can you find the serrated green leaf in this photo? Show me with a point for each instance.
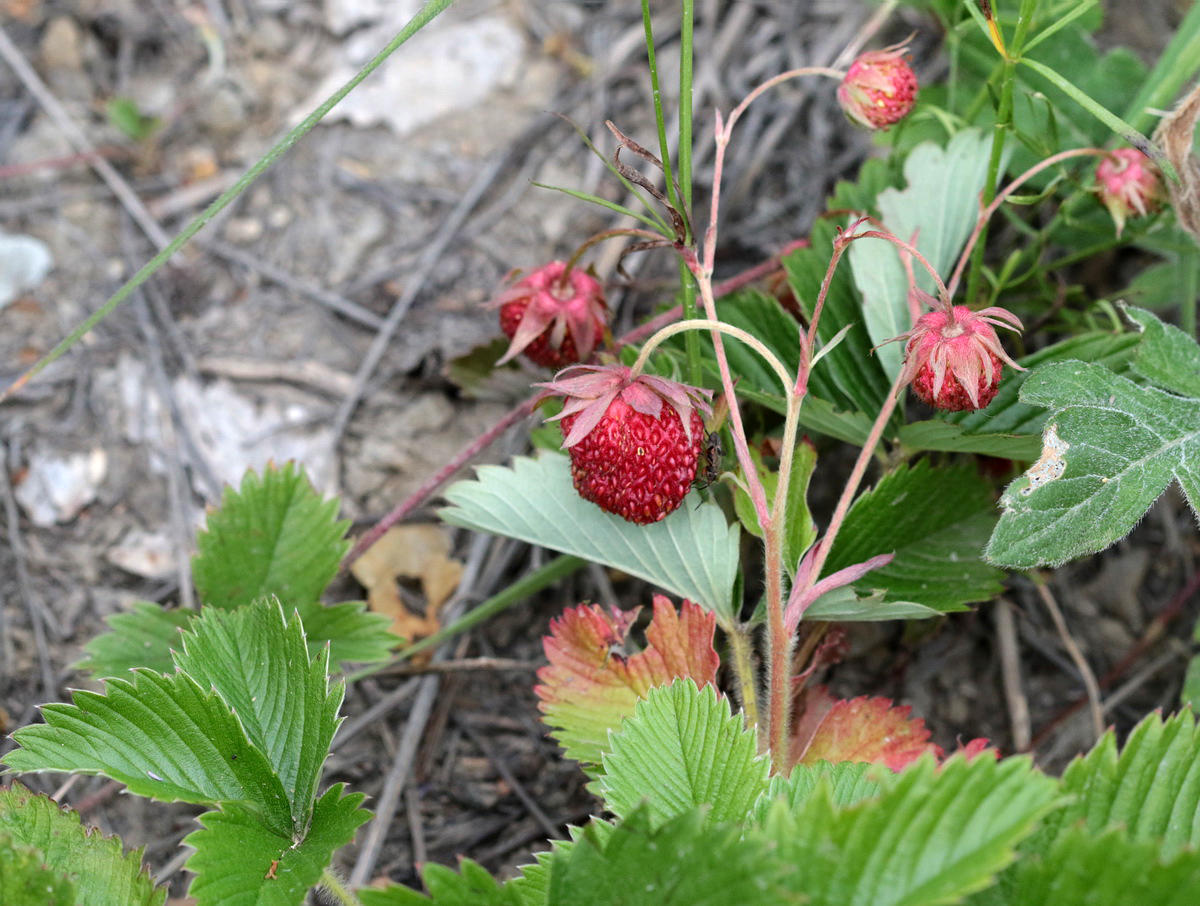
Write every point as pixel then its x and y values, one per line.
pixel 25 880
pixel 143 637
pixel 472 885
pixel 1088 869
pixel 944 436
pixel 164 737
pixel 937 211
pixel 1152 788
pixel 354 634
pixel 685 862
pixel 693 552
pixel 681 749
pixel 96 869
pixel 259 664
pixel 273 536
pixel 937 522
pixel 931 837
pixel 238 862
pixel 844 783
pixel 1110 448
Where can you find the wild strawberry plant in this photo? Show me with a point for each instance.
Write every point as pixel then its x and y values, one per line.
pixel 749 784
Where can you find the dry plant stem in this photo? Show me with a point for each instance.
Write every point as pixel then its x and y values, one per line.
pixel 986 214
pixel 601 237
pixel 1010 674
pixel 1081 664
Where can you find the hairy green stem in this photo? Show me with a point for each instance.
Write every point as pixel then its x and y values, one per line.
pixel 333 885
pixel 743 669
pixel 419 21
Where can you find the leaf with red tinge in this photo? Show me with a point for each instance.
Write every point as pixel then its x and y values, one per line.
pixel 589 686
pixel 859 729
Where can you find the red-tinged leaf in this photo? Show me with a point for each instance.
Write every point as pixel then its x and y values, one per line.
pixel 860 729
pixel 589 686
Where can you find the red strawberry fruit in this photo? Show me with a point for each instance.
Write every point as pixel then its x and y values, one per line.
pixel 879 89
pixel 554 316
pixel 634 440
pixel 953 356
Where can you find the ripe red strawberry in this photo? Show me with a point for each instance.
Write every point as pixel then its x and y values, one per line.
pixel 555 318
pixel 634 441
pixel 879 89
pixel 953 357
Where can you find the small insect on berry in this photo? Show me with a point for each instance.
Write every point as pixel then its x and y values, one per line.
pixel 712 455
pixel 634 440
pixel 554 316
pixel 879 89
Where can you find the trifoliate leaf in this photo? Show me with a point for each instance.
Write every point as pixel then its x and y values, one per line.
pixel 94 869
pixel 843 784
pixel 683 748
pixel 259 664
pixel 1110 448
pixel 1167 357
pixel 685 862
pixel 142 637
pixel 238 862
pixel 590 685
pixel 931 837
pixel 164 737
pixel 936 213
pixel 693 552
pixel 937 522
pixel 25 879
pixel 273 536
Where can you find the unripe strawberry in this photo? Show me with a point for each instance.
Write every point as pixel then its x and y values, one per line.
pixel 879 89
pixel 634 441
pixel 1128 182
pixel 953 357
pixel 555 320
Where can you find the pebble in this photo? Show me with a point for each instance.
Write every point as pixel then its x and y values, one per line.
pixel 244 230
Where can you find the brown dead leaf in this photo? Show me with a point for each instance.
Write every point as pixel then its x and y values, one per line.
pixel 1174 134
pixel 420 552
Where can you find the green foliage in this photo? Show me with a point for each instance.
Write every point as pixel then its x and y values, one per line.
pixel 1111 447
pixel 692 552
pixel 931 837
pixel 843 784
pixel 801 532
pixel 238 860
pixel 142 637
pixel 681 749
pixel 684 862
pixel 937 522
pixel 243 725
pixel 272 536
pixel 124 114
pixel 48 858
